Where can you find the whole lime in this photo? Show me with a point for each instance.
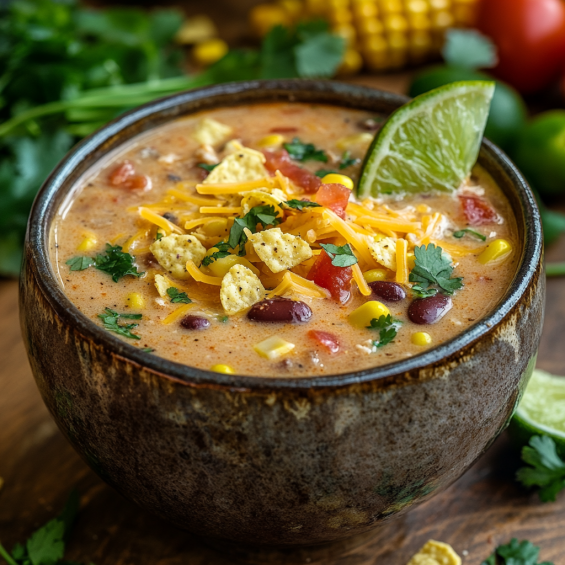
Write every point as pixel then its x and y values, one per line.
pixel 540 152
pixel 507 112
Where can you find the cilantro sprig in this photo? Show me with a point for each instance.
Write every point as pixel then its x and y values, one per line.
pixel 387 330
pixel 207 167
pixel 341 255
pixel 321 173
pixel 80 263
pixel 264 215
pixel 116 263
pixel 546 469
pixel 515 553
pixel 178 297
pixel 223 251
pixel 347 160
pixel 432 266
pixel 461 233
pixel 301 204
pixel 300 151
pixel 110 322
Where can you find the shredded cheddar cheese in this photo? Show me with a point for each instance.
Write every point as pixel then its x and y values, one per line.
pixel 226 210
pixel 150 216
pixel 177 313
pixel 199 276
pixel 364 288
pixel 401 261
pixel 234 188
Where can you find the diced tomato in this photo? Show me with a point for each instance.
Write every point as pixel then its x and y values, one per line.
pixel 328 341
pixel 124 175
pixel 334 196
pixel 477 211
pixel 335 279
pixel 280 160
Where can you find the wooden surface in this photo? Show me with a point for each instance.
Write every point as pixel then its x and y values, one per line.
pixel 39 468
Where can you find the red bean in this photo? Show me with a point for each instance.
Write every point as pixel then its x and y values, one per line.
pixel 280 310
pixel 390 291
pixel 429 310
pixel 191 322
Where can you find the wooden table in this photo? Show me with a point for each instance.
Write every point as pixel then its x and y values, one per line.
pixel 481 510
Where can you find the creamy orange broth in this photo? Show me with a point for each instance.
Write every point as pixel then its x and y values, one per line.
pixel 169 155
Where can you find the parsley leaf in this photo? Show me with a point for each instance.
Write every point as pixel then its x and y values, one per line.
pixel 305 151
pixel 323 172
pixel 432 266
pixel 80 263
pixel 387 330
pixel 347 160
pixel 420 292
pixel 116 263
pixel 207 167
pixel 110 321
pixel 515 553
pixel 341 256
pixel 264 215
pixel 547 469
pixel 459 234
pixel 469 49
pixel 177 296
pixel 46 546
pixel 301 204
pixel 222 252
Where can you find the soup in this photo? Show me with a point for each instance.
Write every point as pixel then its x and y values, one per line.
pixel 231 240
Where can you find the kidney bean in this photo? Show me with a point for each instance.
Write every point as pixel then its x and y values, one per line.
pixel 191 322
pixel 429 310
pixel 390 291
pixel 280 310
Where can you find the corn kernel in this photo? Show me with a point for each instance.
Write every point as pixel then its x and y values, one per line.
pixel 498 250
pixel 421 338
pixel 226 369
pixel 215 228
pixel 87 244
pixel 293 8
pixel 362 316
pixel 360 140
pixel 209 51
pixel 375 275
pixel 135 300
pixel 266 16
pixel 274 140
pixel 220 267
pixel 338 179
pixel 273 347
pixel 351 63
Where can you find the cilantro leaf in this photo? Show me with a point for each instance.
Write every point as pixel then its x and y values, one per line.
pixel 207 167
pixel 116 263
pixel 301 204
pixel 546 470
pixel 46 545
pixel 148 350
pixel 459 234
pixel 387 330
pixel 110 322
pixel 223 251
pixel 159 235
pixel 341 255
pixel 323 172
pixel 319 53
pixel 347 160
pixel 264 215
pixel 515 553
pixel 305 151
pixel 80 263
pixel 177 296
pixel 224 319
pixel 432 266
pixel 420 292
pixel 469 49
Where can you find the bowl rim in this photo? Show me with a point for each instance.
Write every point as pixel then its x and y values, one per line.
pixel 44 210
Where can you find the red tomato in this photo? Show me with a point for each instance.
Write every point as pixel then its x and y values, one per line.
pixel 328 341
pixel 280 160
pixel 333 196
pixel 124 175
pixel 530 36
pixel 477 211
pixel 335 279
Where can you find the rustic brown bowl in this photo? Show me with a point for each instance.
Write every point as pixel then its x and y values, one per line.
pixel 285 461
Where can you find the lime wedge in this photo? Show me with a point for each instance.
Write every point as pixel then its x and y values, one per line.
pixel 542 410
pixel 431 143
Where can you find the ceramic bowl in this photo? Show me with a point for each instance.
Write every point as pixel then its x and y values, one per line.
pixel 282 461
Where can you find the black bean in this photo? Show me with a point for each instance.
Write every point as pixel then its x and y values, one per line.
pixel 173 178
pixel 191 322
pixel 171 217
pixel 390 291
pixel 429 310
pixel 280 310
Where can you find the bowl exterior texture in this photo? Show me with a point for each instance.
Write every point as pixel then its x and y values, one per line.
pixel 269 464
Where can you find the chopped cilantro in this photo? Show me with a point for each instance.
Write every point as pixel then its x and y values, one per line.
pixel 432 266
pixel 159 236
pixel 459 234
pixel 547 469
pixel 224 319
pixel 148 350
pixel 177 296
pixel 305 151
pixel 323 172
pixel 387 330
pixel 207 167
pixel 116 263
pixel 301 204
pixel 341 255
pixel 110 321
pixel 222 252
pixel 264 215
pixel 347 160
pixel 80 263
pixel 420 292
pixel 515 553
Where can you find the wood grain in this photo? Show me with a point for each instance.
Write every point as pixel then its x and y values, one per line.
pixel 484 508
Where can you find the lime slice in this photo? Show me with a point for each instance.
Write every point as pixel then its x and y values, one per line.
pixel 542 410
pixel 431 143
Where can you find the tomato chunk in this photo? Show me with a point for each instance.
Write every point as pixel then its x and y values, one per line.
pixel 335 279
pixel 334 196
pixel 328 341
pixel 124 175
pixel 280 160
pixel 478 211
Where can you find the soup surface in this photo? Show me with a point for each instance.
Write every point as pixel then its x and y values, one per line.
pixel 222 237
